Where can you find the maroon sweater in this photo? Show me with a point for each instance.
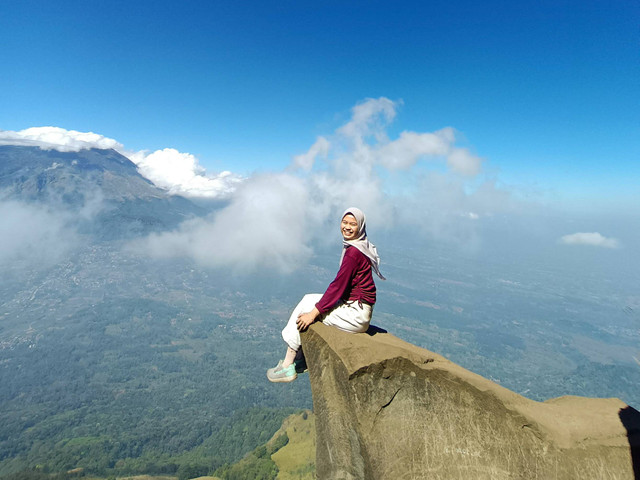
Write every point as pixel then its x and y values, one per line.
pixel 354 281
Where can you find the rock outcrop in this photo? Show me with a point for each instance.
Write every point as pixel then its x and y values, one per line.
pixel 386 409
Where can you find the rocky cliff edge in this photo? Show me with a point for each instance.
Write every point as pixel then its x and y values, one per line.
pixel 386 409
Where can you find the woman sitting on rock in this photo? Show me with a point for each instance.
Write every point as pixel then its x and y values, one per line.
pixel 347 303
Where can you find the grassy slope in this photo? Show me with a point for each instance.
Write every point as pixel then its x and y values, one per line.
pixel 288 455
pixel 296 460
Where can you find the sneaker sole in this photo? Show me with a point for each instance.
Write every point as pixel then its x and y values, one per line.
pixel 282 379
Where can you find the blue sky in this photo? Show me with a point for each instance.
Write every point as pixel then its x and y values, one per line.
pixel 506 131
pixel 546 93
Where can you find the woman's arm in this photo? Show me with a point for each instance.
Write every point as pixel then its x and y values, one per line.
pixel 338 288
pixel 306 319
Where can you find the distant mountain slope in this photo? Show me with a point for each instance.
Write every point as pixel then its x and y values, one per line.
pixel 35 174
pixel 101 185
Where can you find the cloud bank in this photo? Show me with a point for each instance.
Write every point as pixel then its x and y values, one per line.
pixel 592 239
pixel 422 182
pixel 419 184
pixel 178 173
pixel 265 226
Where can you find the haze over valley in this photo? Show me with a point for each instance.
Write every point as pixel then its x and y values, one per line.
pixel 119 357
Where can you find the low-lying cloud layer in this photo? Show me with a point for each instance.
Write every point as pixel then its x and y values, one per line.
pixel 265 226
pixel 33 234
pixel 421 185
pixel 421 182
pixel 178 173
pixel 592 239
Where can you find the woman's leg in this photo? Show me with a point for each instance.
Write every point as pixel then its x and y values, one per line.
pixel 289 357
pixel 290 333
pixel 285 371
pixel 351 317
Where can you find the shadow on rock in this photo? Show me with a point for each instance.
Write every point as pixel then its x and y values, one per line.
pixel 630 418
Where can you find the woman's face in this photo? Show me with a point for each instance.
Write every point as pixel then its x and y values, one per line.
pixel 349 227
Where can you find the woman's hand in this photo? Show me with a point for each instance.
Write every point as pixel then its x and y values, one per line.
pixel 306 319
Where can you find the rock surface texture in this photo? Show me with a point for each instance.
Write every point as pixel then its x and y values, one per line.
pixel 386 409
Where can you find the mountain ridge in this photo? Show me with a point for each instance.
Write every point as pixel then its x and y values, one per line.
pixel 101 186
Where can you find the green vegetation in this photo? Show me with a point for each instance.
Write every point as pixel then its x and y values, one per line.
pixel 259 464
pixel 135 386
pixel 100 456
pixel 289 455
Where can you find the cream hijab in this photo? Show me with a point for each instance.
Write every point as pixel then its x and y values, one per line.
pixel 362 243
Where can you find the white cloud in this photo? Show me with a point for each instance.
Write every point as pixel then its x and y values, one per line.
pixel 266 225
pixel 178 173
pixel 55 138
pixel 461 161
pixel 34 234
pixel 274 220
pixel 181 174
pixel 369 118
pixel 306 160
pixel 365 144
pixel 442 207
pixel 404 152
pixel 593 239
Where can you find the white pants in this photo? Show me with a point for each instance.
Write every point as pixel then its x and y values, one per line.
pixel 351 317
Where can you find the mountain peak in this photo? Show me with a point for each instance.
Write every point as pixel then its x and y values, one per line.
pixel 34 173
pixel 100 180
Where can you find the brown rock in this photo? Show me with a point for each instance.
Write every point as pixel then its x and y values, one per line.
pixel 386 409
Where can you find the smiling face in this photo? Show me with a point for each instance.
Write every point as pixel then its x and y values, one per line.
pixel 349 227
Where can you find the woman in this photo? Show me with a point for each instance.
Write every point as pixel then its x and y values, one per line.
pixel 348 301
